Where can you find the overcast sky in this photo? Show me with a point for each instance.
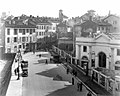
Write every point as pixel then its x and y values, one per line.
pixel 50 8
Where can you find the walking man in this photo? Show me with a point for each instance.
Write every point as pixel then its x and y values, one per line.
pixel 67 70
pixel 72 81
pixel 78 86
pixel 46 62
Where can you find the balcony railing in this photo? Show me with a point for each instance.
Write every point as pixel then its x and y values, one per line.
pixel 102 76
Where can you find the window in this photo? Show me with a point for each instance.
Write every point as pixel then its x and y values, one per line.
pixel 20 30
pixel 19 46
pixel 37 33
pixel 102 28
pixel 30 31
pixel 30 39
pixel 118 52
pixel 37 27
pixel 15 31
pixel 26 39
pixel 8 31
pixel 8 40
pixel 33 30
pixel 42 27
pixel 98 28
pixel 40 33
pixel 15 39
pixel 53 28
pixel 23 39
pixel 23 33
pixel 19 39
pixel 84 48
pixel 27 30
pixel 114 22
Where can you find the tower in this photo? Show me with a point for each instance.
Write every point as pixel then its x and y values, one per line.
pixel 60 15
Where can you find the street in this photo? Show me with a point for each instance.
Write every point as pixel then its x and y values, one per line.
pixel 47 79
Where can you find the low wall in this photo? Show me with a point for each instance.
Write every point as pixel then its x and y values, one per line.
pixel 5 74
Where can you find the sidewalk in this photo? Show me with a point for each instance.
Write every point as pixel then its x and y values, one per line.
pixel 15 86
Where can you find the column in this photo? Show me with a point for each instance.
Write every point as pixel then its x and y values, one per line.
pixel 77 51
pixel 79 54
pixel 107 62
pixel 90 58
pixel 96 61
pixel 112 58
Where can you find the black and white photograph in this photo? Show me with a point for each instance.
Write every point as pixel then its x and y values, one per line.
pixel 59 48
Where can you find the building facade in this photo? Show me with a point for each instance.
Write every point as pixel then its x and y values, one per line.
pixel 114 21
pixel 18 35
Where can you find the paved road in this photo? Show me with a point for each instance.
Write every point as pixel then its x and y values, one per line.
pixel 42 79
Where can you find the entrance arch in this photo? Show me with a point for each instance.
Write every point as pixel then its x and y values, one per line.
pixel 102 59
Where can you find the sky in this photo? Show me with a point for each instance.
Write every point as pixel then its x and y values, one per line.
pixel 50 8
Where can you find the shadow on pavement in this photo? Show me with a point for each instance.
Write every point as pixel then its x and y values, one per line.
pixel 56 73
pixel 67 91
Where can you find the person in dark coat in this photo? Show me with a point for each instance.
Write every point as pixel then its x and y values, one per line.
pixel 80 86
pixel 22 67
pixel 72 81
pixel 75 73
pixel 67 70
pixel 46 62
pixel 15 71
pixel 39 55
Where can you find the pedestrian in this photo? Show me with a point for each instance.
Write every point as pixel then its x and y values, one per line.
pixel 67 70
pixel 21 66
pixel 92 77
pixel 15 71
pixel 80 86
pixel 46 62
pixel 50 60
pixel 75 73
pixel 72 81
pixel 39 55
pixel 18 73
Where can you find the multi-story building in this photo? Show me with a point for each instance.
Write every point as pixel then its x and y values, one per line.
pixel 1 38
pixel 99 50
pixel 19 33
pixel 43 27
pixel 114 21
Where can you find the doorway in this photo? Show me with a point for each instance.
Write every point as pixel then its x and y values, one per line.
pixel 102 59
